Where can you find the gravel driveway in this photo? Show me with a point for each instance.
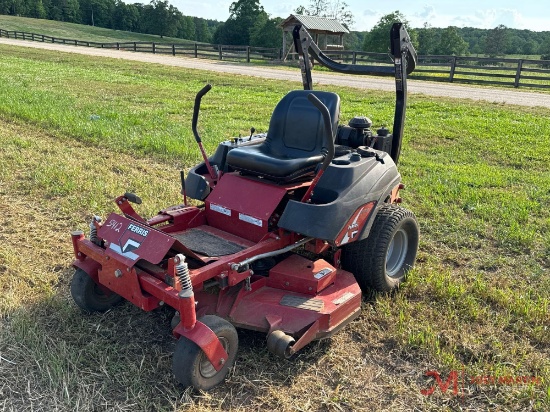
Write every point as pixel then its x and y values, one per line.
pixel 495 95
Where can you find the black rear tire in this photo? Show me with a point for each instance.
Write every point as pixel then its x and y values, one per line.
pixel 381 261
pixel 89 296
pixel 191 366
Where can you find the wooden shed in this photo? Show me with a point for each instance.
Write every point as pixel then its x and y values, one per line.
pixel 327 33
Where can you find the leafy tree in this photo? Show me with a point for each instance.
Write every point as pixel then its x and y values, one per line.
pixel 378 39
pixel 27 8
pixel 428 39
pixel 186 28
pixel 161 18
pixel 266 32
pixel 202 33
pixel 126 16
pixel 497 41
pixel 545 50
pixel 530 47
pixel 452 43
pixel 243 14
pixel 5 6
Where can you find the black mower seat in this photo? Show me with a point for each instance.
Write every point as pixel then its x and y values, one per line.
pixel 294 142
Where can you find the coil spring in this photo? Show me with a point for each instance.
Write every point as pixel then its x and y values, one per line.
pixel 93 229
pixel 182 272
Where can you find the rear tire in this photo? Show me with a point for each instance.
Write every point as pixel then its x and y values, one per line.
pixel 89 296
pixel 191 366
pixel 381 261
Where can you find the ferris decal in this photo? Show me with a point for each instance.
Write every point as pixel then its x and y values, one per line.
pixel 130 241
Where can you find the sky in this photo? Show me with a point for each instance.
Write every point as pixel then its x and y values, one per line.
pixel 486 14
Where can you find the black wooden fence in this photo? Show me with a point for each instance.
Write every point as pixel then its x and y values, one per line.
pixel 454 69
pixel 203 50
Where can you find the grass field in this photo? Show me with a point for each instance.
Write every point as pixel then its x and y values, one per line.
pixel 75 31
pixel 76 131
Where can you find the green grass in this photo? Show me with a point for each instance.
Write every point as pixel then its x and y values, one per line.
pixel 82 32
pixel 76 131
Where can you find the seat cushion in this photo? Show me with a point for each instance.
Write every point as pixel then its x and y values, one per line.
pixel 254 160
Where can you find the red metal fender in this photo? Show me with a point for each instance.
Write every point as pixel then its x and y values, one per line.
pixel 205 339
pixel 89 266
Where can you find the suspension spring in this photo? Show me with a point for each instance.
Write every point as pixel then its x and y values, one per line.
pixel 93 230
pixel 182 272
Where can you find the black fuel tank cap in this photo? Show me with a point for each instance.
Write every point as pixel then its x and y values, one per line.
pixel 360 122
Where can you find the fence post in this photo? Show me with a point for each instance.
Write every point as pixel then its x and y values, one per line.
pixel 32 36
pixel 196 50
pixel 24 38
pixel 117 45
pixel 135 46
pixel 87 44
pixel 220 51
pixel 354 57
pixel 76 42
pixel 173 49
pixel 518 73
pixel 453 68
pixel 53 39
pixel 248 54
pixel 154 48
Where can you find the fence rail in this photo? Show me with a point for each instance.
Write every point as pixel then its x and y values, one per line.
pixel 454 69
pixel 204 50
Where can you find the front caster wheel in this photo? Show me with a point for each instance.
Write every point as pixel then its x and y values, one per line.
pixel 381 261
pixel 191 366
pixel 89 296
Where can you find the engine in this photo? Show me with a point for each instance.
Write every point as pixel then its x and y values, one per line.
pixel 359 133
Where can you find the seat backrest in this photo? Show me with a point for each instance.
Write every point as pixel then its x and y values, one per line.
pixel 296 128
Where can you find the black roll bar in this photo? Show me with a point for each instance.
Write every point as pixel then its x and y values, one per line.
pixel 404 59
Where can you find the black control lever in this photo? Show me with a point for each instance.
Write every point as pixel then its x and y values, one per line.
pixel 132 197
pixel 196 109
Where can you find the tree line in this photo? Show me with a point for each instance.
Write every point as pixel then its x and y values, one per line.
pixel 158 17
pixel 249 24
pixel 458 41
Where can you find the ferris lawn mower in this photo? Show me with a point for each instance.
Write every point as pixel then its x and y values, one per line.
pixel 293 225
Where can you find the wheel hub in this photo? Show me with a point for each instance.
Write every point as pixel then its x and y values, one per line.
pixel 206 368
pixel 397 252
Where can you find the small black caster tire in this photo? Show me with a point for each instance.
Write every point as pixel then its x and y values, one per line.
pixel 279 344
pixel 89 296
pixel 191 366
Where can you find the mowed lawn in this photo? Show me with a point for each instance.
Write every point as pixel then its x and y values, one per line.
pixel 77 131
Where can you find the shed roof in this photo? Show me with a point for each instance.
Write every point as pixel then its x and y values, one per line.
pixel 315 23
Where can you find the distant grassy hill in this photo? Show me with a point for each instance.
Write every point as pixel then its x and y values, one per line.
pixel 79 31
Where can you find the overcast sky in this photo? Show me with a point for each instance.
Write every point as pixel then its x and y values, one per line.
pixel 486 14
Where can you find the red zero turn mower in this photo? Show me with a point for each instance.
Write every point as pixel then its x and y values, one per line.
pixel 295 224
